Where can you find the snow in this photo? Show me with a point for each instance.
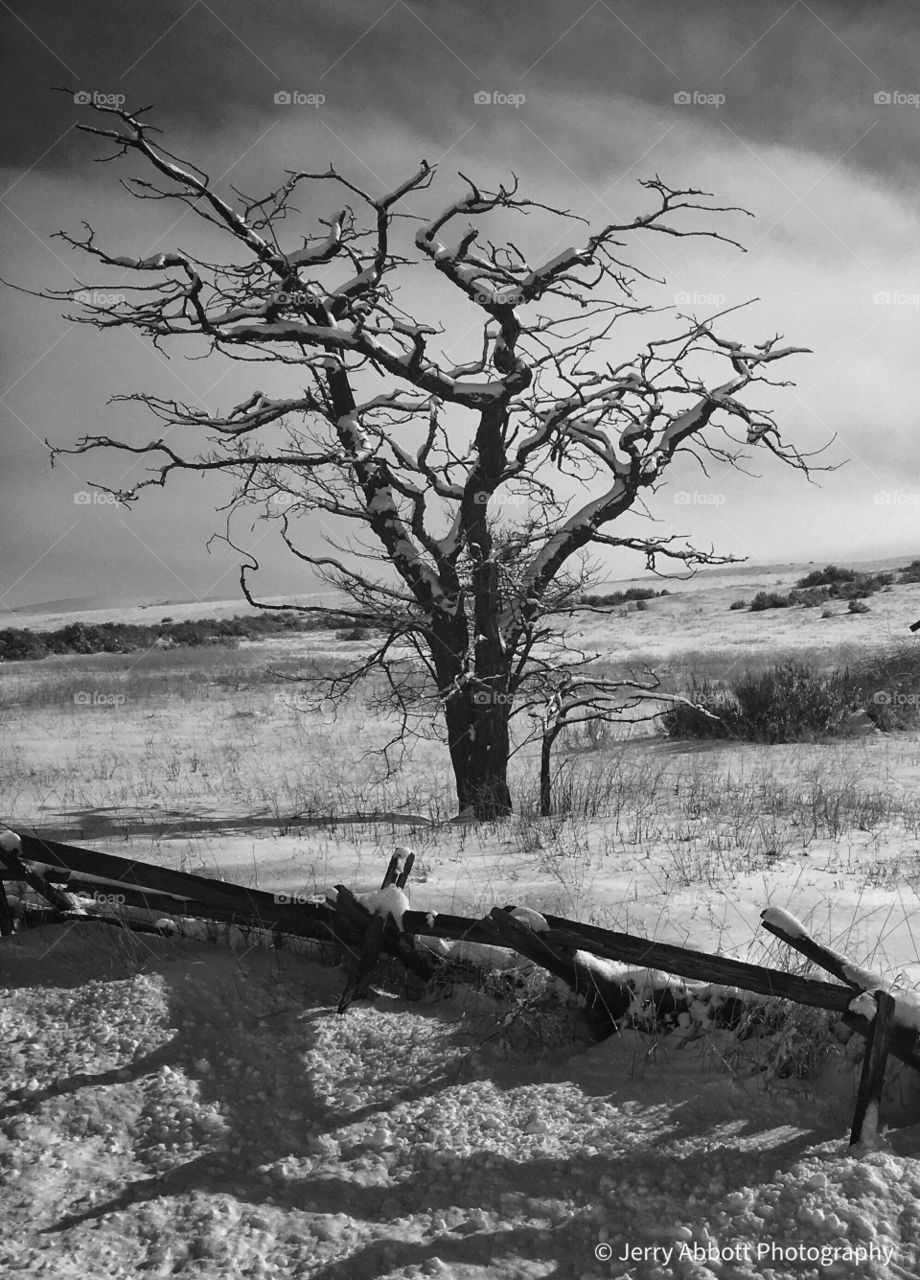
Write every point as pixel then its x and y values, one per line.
pixel 864 1005
pixel 177 1110
pixel 390 901
pixel 533 919
pixel 10 841
pixel 785 920
pixel 907 1005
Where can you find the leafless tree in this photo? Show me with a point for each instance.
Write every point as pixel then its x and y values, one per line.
pixel 574 695
pixel 427 458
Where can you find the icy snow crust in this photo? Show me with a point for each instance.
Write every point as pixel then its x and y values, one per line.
pixel 175 1109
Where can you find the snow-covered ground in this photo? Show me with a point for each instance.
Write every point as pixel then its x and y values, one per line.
pixel 174 1108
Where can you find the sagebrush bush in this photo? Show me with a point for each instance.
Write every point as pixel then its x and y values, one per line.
pixel 794 702
pixel 684 721
pixel 827 576
pixel 889 685
pixel 21 644
pixel 788 703
pixel 624 597
pixel 770 600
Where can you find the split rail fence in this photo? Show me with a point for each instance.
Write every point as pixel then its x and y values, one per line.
pixel 141 896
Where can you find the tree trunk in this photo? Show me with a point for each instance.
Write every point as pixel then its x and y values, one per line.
pixel 476 712
pixel 546 782
pixel 479 743
pixel 546 792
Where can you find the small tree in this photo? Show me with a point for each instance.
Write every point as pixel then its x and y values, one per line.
pixel 577 696
pixel 377 440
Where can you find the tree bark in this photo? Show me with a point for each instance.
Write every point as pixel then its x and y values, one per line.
pixel 546 781
pixel 479 744
pixel 477 710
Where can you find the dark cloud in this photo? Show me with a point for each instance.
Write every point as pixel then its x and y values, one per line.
pixel 799 139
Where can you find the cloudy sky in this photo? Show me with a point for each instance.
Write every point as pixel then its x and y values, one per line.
pixel 803 113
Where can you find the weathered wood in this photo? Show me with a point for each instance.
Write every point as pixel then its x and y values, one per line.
pixel 392 871
pixel 905 1042
pixel 406 871
pixel 608 1000
pixel 701 967
pixel 393 942
pixel 6 914
pixel 317 922
pixel 124 873
pixel 35 880
pixel 872 1079
pixel 359 979
pixel 831 961
pixel 346 923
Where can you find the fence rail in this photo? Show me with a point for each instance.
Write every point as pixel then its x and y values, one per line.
pixel 134 893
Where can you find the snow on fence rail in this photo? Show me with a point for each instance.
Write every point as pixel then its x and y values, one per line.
pixel 82 884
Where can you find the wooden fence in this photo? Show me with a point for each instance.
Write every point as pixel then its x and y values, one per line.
pixel 138 895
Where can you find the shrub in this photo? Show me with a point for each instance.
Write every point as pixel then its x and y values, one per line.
pixel 912 572
pixel 18 644
pixel 787 703
pixel 122 637
pixel 623 597
pixel 826 577
pixel 858 606
pixel 889 686
pixel 684 721
pixel 354 633
pixel 809 597
pixel 792 703
pixel 738 604
pixel 770 600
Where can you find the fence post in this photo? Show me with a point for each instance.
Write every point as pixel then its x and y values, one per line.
pixel 6 913
pixel 869 1094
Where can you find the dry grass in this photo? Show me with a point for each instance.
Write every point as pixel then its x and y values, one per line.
pixel 225 733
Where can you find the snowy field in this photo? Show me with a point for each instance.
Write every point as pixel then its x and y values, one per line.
pixel 173 1108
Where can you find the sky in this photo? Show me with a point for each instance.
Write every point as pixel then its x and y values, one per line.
pixel 804 114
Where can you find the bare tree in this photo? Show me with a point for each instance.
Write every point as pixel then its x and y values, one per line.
pixel 574 695
pixel 424 456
